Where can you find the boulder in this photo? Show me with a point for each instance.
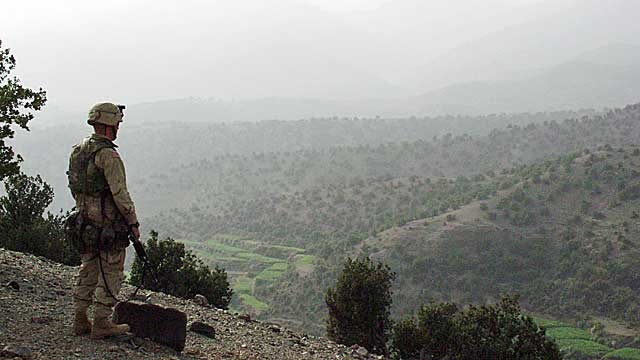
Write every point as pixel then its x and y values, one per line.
pixel 203 329
pixel 163 325
pixel 201 300
pixel 19 352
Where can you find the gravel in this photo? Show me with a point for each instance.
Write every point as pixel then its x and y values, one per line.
pixel 37 314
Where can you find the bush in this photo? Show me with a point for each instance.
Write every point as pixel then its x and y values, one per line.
pixel 24 226
pixel 16 105
pixel 180 273
pixel 359 305
pixel 478 332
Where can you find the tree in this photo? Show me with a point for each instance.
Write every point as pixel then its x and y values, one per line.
pixel 16 104
pixel 179 272
pixel 497 331
pixel 24 226
pixel 359 305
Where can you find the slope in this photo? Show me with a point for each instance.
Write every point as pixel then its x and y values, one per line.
pixel 37 317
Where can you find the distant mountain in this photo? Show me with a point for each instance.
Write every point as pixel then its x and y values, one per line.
pixel 618 54
pixel 577 84
pixel 540 43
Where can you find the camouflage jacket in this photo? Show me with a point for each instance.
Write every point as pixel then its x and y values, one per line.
pixel 104 177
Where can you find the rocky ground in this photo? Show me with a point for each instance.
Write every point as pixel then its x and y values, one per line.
pixel 36 314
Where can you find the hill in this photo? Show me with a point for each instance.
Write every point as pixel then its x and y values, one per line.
pixel 35 321
pixel 533 43
pixel 572 85
pixel 161 139
pixel 325 203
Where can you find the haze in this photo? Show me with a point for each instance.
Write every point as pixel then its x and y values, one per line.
pixel 326 58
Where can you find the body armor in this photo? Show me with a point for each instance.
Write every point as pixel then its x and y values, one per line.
pixel 84 177
pixel 98 223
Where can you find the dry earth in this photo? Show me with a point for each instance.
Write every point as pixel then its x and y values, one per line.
pixel 35 323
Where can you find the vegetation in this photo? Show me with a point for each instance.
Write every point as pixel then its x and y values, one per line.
pixel 546 207
pixel 179 272
pixel 500 331
pixel 25 227
pixel 16 104
pixel 359 305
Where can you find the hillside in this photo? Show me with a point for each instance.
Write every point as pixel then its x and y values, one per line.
pixel 37 318
pixel 570 85
pixel 309 209
pixel 562 233
pixel 164 138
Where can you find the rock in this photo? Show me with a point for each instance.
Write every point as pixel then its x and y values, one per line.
pixel 20 352
pixel 163 325
pixel 203 329
pixel 362 351
pixel 151 299
pixel 275 329
pixel 245 317
pixel 201 300
pixel 13 284
pixel 41 320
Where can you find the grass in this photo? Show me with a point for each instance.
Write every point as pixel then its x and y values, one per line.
pixel 547 323
pixel 214 245
pixel 258 258
pixel 243 285
pixel 570 338
pixel 568 333
pixel 253 302
pixel 304 260
pixel 586 347
pixel 273 272
pixel 286 248
pixel 219 252
pixel 624 354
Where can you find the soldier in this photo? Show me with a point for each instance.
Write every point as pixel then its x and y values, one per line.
pixel 106 216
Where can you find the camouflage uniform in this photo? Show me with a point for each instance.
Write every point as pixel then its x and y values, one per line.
pixel 102 199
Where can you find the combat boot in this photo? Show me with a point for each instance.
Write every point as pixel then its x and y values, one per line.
pixel 103 328
pixel 81 324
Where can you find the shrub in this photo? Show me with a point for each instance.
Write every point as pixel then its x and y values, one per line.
pixel 16 105
pixel 478 332
pixel 179 272
pixel 359 305
pixel 24 226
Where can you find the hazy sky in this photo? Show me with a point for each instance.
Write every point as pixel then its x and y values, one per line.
pixel 83 51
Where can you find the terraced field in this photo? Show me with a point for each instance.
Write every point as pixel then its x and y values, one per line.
pixel 576 343
pixel 249 264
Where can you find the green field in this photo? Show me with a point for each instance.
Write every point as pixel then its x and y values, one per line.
pixel 559 333
pixel 571 339
pixel 252 301
pixel 243 285
pixel 246 261
pixel 586 347
pixel 623 354
pixel 273 272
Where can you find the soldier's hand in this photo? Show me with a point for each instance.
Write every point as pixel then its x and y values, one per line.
pixel 136 232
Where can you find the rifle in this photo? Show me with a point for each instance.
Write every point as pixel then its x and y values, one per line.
pixel 140 251
pixel 146 263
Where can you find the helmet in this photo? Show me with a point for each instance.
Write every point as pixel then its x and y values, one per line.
pixel 106 114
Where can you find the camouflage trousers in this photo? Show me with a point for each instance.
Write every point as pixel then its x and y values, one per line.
pixel 90 283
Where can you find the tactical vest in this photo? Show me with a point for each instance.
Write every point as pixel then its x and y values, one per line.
pixel 84 176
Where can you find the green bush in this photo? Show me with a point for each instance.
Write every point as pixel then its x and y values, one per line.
pixel 24 226
pixel 16 105
pixel 180 273
pixel 359 305
pixel 478 332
